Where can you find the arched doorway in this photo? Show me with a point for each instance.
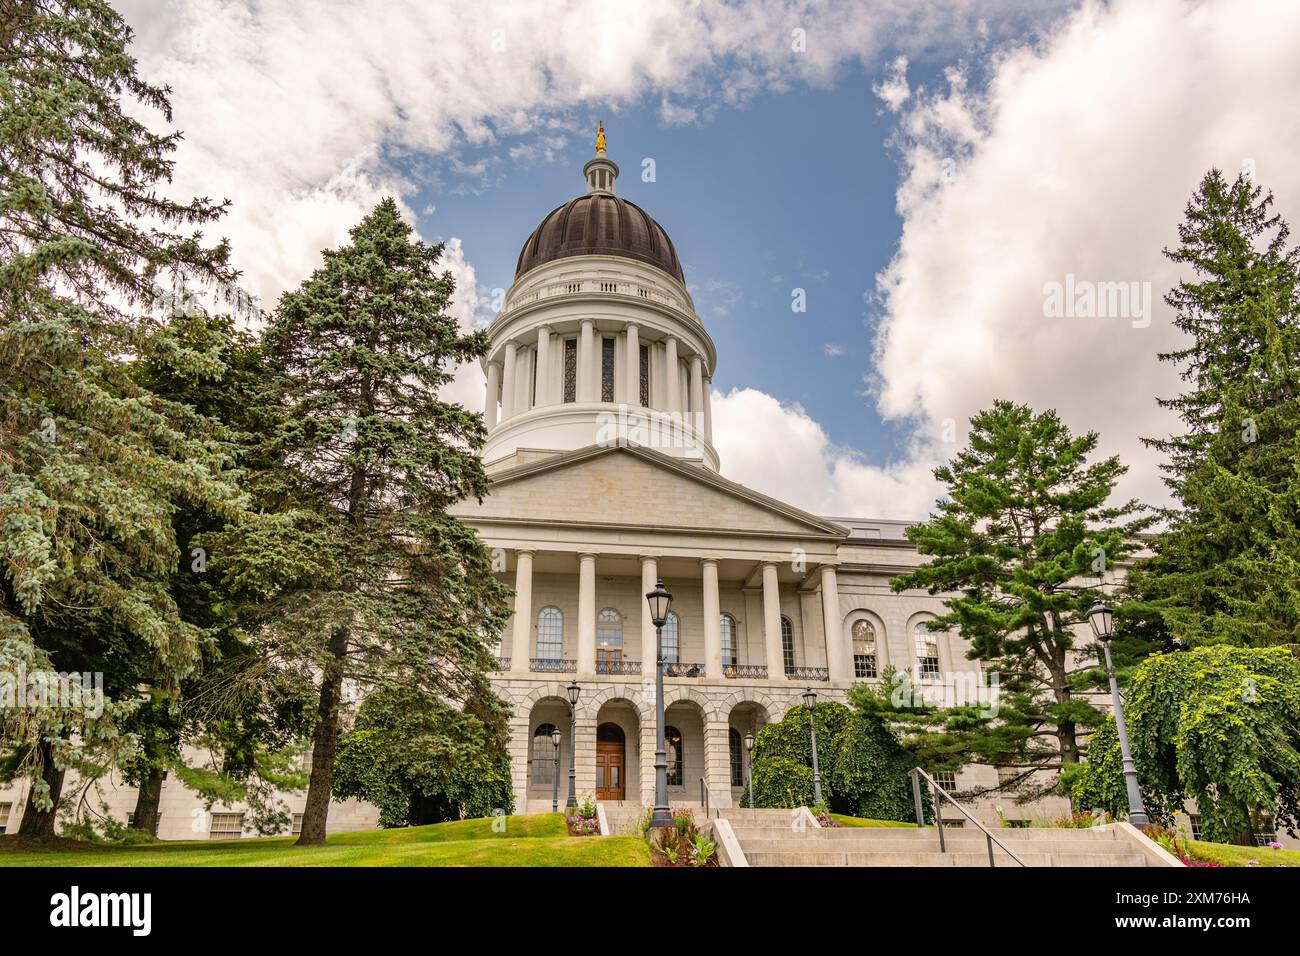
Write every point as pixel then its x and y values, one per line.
pixel 611 762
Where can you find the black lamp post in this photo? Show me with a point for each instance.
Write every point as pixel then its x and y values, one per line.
pixel 810 701
pixel 574 690
pixel 555 775
pixel 749 766
pixel 1101 619
pixel 660 600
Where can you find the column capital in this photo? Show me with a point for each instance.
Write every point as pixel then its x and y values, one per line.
pixel 650 557
pixel 706 562
pixel 528 551
pixel 588 554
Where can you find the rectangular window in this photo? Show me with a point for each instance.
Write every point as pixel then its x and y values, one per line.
pixel 787 643
pixel 297 824
pixel 570 370
pixel 226 826
pixel 1195 819
pixel 946 779
pixel 864 666
pixel 606 370
pixel 4 816
pixel 645 376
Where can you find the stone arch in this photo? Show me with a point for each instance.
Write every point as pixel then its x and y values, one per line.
pixel 538 772
pixel 589 707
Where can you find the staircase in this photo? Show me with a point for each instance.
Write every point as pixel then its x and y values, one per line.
pixel 777 838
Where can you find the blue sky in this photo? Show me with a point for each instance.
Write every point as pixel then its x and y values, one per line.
pixel 792 190
pixel 1025 143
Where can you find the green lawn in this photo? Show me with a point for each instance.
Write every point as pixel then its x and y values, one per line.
pixel 846 821
pixel 537 840
pixel 1229 855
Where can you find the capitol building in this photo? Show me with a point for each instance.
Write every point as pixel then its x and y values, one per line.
pixel 605 480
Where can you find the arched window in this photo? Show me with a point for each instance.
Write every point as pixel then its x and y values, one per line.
pixel 671 643
pixel 864 649
pixel 673 744
pixel 727 627
pixel 787 643
pixel 927 652
pixel 543 756
pixel 550 634
pixel 737 758
pixel 609 641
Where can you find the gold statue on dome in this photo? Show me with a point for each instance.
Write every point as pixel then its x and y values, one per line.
pixel 600 138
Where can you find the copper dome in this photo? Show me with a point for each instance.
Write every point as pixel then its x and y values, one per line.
pixel 600 224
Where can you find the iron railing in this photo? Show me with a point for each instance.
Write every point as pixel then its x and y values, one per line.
pixel 552 665
pixel 939 793
pixel 683 669
pixel 744 670
pixel 808 673
pixel 618 666
pixel 706 803
pixel 503 663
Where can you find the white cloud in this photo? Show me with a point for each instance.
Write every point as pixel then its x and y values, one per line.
pixel 832 350
pixel 1078 158
pixel 893 90
pixel 781 451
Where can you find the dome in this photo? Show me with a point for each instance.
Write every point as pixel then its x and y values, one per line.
pixel 600 224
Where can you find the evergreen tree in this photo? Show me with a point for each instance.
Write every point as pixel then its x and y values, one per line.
pixel 1228 568
pixel 91 463
pixel 360 578
pixel 1021 538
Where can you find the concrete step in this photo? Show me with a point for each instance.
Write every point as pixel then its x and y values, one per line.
pixel 911 858
pixel 795 843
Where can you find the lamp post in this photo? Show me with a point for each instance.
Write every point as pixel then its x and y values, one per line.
pixel 555 774
pixel 749 753
pixel 660 600
pixel 810 701
pixel 574 690
pixel 1101 618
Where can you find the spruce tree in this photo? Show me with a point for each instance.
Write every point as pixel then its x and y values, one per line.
pixel 1227 570
pixel 92 464
pixel 361 580
pixel 1021 537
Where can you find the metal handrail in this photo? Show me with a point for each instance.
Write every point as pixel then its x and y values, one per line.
pixel 705 794
pixel 916 773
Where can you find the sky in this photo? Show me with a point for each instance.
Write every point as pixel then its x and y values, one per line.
pixel 927 172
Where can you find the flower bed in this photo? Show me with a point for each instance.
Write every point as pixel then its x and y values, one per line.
pixel 582 819
pixel 682 844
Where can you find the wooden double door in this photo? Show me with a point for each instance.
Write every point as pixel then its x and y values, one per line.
pixel 610 763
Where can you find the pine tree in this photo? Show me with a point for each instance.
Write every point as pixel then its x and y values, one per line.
pixel 1228 568
pixel 361 580
pixel 91 464
pixel 1021 537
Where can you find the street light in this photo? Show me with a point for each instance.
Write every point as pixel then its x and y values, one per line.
pixel 749 753
pixel 555 774
pixel 810 701
pixel 660 600
pixel 1101 619
pixel 574 690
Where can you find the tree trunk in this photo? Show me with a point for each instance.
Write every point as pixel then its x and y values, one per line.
pixel 145 817
pixel 38 822
pixel 315 814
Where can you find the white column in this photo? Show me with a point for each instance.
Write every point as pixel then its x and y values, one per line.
pixel 542 387
pixel 586 614
pixel 708 409
pixel 649 577
pixel 524 380
pixel 586 345
pixel 493 393
pixel 772 623
pixel 838 656
pixel 697 392
pixel 712 619
pixel 672 377
pixel 633 372
pixel 509 370
pixel 522 645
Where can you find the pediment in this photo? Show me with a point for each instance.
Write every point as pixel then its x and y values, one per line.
pixel 637 487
